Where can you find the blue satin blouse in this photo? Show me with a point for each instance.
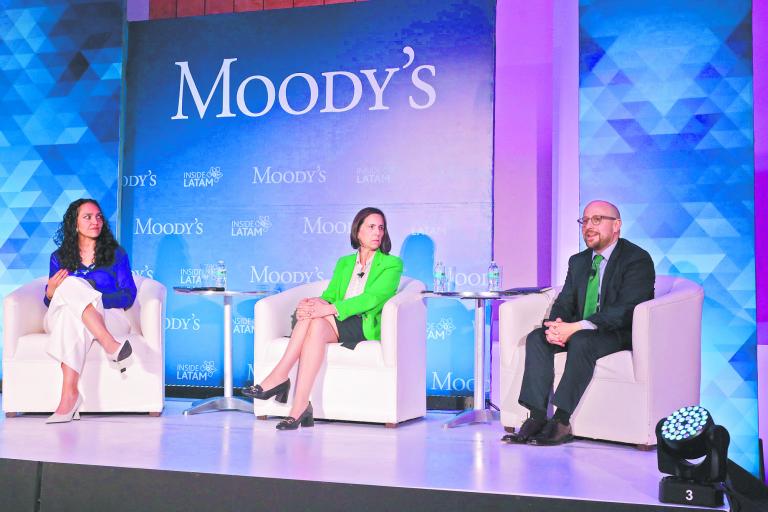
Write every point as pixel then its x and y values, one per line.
pixel 115 282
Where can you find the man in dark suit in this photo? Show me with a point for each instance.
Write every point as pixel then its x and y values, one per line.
pixel 591 318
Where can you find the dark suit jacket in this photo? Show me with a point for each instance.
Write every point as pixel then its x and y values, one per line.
pixel 628 280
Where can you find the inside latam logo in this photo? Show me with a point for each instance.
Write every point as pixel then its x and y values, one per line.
pixel 377 83
pixel 195 372
pixel 441 329
pixel 195 179
pixel 191 276
pixel 256 227
pixel 243 325
pixel 371 176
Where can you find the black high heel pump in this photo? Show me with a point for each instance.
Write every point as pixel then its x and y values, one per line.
pixel 280 392
pixel 306 419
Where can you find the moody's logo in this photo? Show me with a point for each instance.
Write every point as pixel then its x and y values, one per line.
pixel 195 372
pixel 141 180
pixel 372 94
pixel 202 179
pixel 471 279
pixel 155 227
pixel 143 272
pixel 446 382
pixel 324 226
pixel 440 330
pixel 175 323
pixel 251 227
pixel 268 176
pixel 268 275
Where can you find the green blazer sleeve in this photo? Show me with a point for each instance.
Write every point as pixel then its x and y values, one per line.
pixel 381 286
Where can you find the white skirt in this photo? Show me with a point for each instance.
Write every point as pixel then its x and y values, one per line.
pixel 69 339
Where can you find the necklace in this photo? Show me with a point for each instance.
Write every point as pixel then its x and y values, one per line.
pixel 88 257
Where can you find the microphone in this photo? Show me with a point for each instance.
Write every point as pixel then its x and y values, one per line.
pixel 361 274
pixel 592 273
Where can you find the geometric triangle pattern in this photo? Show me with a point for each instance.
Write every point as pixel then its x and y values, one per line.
pixel 60 77
pixel 666 133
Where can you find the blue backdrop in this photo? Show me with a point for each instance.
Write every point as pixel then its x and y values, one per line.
pixel 666 133
pixel 255 138
pixel 59 123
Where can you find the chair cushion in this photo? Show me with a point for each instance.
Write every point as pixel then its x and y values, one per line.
pixel 617 366
pixel 366 354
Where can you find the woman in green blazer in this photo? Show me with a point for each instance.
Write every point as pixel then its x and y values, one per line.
pixel 348 312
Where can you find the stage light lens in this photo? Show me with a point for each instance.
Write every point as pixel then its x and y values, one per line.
pixel 685 423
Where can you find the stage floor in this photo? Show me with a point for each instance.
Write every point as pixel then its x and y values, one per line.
pixel 420 454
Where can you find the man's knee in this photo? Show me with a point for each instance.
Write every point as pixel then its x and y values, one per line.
pixel 581 343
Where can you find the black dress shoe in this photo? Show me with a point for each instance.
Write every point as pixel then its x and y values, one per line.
pixel 280 392
pixel 306 419
pixel 552 434
pixel 528 429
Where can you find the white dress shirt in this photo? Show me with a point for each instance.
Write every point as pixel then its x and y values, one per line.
pixel 357 283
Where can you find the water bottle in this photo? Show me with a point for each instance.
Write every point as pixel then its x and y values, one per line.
pixel 494 277
pixel 439 277
pixel 221 274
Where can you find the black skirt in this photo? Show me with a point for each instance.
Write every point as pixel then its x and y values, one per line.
pixel 350 331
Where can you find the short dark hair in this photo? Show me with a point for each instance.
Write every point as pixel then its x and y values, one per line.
pixel 386 243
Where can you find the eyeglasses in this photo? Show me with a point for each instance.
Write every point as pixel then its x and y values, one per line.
pixel 596 219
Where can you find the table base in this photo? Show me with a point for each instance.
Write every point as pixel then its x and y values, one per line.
pixel 221 403
pixel 472 416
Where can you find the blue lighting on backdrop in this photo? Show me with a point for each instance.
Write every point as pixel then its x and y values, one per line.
pixel 59 123
pixel 666 133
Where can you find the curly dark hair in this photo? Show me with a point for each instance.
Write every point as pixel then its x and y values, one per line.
pixel 386 243
pixel 66 239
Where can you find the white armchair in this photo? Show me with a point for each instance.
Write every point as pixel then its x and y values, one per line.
pixel 630 390
pixel 378 382
pixel 32 379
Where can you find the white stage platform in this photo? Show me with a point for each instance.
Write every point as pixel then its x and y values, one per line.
pixel 468 464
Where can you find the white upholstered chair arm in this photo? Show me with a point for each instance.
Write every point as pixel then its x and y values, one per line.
pixel 23 313
pixel 150 298
pixel 675 316
pixel 272 315
pixel 403 319
pixel 518 317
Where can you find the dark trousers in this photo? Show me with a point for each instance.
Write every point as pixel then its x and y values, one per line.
pixel 584 348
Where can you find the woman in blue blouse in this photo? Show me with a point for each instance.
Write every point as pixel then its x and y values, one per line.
pixel 90 285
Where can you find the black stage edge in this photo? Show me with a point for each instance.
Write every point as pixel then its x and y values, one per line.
pixel 52 487
pixel 19 484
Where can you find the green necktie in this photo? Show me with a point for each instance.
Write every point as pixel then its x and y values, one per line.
pixel 593 288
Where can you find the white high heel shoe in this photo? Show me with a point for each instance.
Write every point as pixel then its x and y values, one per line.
pixel 121 355
pixel 66 417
